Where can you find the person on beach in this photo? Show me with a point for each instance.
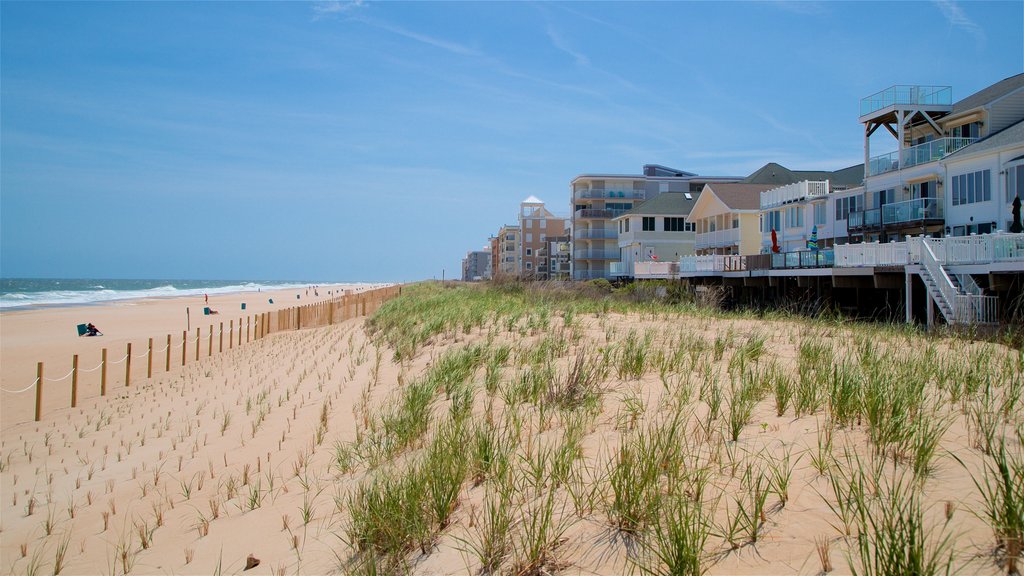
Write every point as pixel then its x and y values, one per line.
pixel 206 298
pixel 91 330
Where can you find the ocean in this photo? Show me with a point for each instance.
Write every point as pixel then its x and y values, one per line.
pixel 21 293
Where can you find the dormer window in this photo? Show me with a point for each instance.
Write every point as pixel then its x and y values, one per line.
pixel 971 130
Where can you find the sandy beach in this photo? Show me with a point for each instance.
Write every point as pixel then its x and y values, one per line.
pixel 269 449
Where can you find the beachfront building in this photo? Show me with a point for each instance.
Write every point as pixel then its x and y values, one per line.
pixel 655 231
pixel 536 224
pixel 726 217
pixel 509 263
pixel 946 171
pixel 599 198
pixel 476 266
pixel 559 255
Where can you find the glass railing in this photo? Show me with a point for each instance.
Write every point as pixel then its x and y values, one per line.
pixel 915 155
pixel 599 234
pixel 598 213
pixel 804 259
pixel 632 194
pixel 597 254
pixel 911 95
pixel 912 210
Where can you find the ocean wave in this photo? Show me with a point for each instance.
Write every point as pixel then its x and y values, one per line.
pixel 100 294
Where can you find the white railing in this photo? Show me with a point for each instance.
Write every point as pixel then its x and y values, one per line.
pixel 947 291
pixel 618 269
pixel 718 238
pixel 793 193
pixel 975 309
pixel 655 269
pixel 713 263
pixel 872 254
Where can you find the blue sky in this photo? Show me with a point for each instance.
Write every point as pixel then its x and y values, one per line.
pixel 380 141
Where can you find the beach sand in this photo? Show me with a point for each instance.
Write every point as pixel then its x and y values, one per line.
pixel 192 471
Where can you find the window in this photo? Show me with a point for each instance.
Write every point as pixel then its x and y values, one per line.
pixel 648 224
pixel 627 224
pixel 794 217
pixel 675 224
pixel 972 130
pixel 529 237
pixel 529 252
pixel 529 265
pixel 543 224
pixel 972 188
pixel 510 237
pixel 543 237
pixel 689 227
pixel 844 206
pixel 773 221
pixel 1014 183
pixel 819 213
pixel 883 197
pixel 735 222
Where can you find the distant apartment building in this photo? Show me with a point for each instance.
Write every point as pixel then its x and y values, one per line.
pixel 559 255
pixel 509 263
pixel 476 266
pixel 536 224
pixel 599 198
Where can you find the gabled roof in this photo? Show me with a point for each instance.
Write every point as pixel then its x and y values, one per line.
pixel 664 204
pixel 1007 136
pixel 778 175
pixel 739 196
pixel 989 94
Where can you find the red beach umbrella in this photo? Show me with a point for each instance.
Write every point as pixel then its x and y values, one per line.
pixel 775 242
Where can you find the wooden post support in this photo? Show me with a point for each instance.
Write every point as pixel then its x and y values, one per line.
pixel 239 331
pixel 149 360
pixel 197 343
pixel 39 391
pixel 74 381
pixel 231 334
pixel 209 349
pixel 248 326
pixel 221 338
pixel 184 345
pixel 167 363
pixel 128 366
pixel 103 372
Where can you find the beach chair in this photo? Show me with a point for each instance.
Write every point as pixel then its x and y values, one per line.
pixel 271 300
pixel 206 311
pixel 82 329
pixel 243 305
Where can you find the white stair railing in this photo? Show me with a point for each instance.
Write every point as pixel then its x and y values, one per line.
pixel 946 294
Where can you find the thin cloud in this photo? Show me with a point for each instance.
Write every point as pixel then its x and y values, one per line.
pixel 453 47
pixel 562 44
pixel 957 18
pixel 335 7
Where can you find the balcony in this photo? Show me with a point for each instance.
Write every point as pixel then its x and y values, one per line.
pixel 595 234
pixel 601 213
pixel 897 213
pixel 793 193
pixel 804 259
pixel 718 238
pixel 919 96
pixel 590 274
pixel 916 155
pixel 596 255
pixel 596 194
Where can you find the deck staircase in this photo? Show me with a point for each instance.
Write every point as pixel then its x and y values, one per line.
pixel 958 297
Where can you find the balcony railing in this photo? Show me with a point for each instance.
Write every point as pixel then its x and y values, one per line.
pixel 590 274
pixel 596 255
pixel 907 95
pixel 897 213
pixel 804 259
pixel 718 238
pixel 629 194
pixel 655 269
pixel 915 155
pixel 793 193
pixel 600 233
pixel 602 213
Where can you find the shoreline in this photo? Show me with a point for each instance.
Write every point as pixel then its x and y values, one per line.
pixel 49 335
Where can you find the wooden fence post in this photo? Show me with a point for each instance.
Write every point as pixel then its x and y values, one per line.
pixel 184 345
pixel 149 360
pixel 231 334
pixel 197 343
pixel 39 391
pixel 128 366
pixel 209 349
pixel 167 362
pixel 248 326
pixel 221 338
pixel 74 381
pixel 239 331
pixel 103 372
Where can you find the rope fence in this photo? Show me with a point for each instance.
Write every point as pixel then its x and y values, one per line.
pixel 256 327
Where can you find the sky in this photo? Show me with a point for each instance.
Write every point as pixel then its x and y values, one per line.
pixel 379 141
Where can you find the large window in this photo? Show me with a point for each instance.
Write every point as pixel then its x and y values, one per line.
pixel 972 188
pixel 1014 183
pixel 972 130
pixel 648 224
pixel 772 221
pixel 819 213
pixel 794 217
pixel 675 224
pixel 846 205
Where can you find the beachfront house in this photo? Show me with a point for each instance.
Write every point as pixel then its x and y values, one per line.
pixel 947 174
pixel 656 231
pixel 599 198
pixel 726 218
pixel 536 224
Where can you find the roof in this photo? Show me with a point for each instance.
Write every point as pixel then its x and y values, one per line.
pixel 740 196
pixel 778 175
pixel 990 94
pixel 532 200
pixel 665 204
pixel 1007 136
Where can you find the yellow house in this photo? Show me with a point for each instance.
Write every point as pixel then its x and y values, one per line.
pixel 727 217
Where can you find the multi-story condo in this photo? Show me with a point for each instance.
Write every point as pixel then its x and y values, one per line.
pixel 509 263
pixel 657 230
pixel 928 182
pixel 476 265
pixel 598 198
pixel 536 224
pixel 559 255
